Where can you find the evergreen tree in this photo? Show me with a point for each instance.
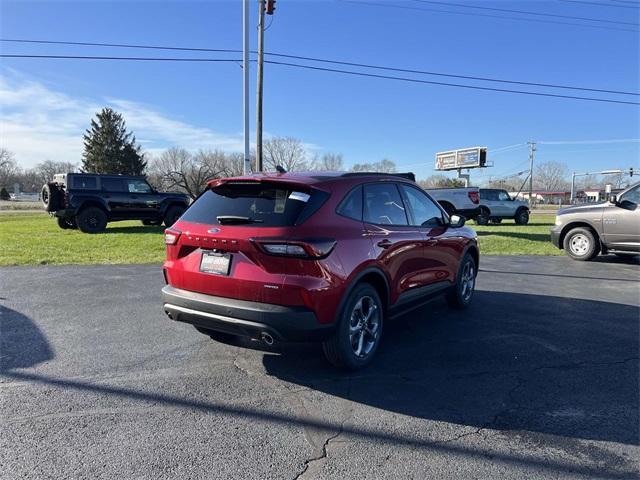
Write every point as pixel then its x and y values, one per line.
pixel 109 148
pixel 4 195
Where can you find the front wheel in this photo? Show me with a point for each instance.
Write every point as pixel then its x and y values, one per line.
pixel 581 244
pixel 359 330
pixel 522 217
pixel 483 217
pixel 459 297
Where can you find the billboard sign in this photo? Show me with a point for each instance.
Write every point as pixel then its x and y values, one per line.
pixel 464 158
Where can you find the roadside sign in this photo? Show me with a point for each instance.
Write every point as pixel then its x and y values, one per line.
pixel 463 158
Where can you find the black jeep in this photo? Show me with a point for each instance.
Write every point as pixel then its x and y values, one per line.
pixel 88 201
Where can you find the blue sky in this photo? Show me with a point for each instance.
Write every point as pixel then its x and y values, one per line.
pixel 46 104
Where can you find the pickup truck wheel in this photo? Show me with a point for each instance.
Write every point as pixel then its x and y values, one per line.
pixel 459 297
pixel 92 220
pixel 151 222
pixel 172 215
pixel 67 223
pixel 483 217
pixel 581 244
pixel 358 331
pixel 522 217
pixel 448 208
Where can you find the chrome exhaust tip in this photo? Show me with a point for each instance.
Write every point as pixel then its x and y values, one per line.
pixel 266 338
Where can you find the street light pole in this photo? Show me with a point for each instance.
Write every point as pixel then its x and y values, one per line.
pixel 245 83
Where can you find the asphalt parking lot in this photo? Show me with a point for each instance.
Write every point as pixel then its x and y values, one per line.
pixel 538 379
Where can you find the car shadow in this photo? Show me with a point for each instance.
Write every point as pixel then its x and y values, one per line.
pixel 135 229
pixel 22 344
pixel 534 363
pixel 621 259
pixel 535 237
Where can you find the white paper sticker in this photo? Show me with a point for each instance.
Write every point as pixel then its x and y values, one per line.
pixel 300 196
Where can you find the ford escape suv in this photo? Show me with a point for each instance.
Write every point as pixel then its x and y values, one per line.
pixel 318 256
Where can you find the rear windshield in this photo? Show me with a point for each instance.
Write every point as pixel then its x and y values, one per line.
pixel 262 205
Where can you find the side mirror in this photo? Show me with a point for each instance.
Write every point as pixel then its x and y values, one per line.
pixel 613 199
pixel 456 221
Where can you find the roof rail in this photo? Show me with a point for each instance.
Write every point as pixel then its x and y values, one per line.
pixel 408 175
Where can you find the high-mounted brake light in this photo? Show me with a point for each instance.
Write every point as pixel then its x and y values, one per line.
pixel 307 248
pixel 171 237
pixel 474 197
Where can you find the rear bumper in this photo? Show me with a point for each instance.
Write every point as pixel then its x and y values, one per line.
pixel 555 237
pixel 469 213
pixel 243 318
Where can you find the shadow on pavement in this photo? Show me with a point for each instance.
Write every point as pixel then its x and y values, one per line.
pixel 22 344
pixel 534 237
pixel 532 363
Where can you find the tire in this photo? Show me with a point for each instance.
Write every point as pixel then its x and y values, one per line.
pixel 51 197
pixel 522 217
pixel 217 336
pixel 151 222
pixel 172 215
pixel 460 296
pixel 581 244
pixel 67 223
pixel 92 220
pixel 347 349
pixel 483 217
pixel 448 208
pixel 495 220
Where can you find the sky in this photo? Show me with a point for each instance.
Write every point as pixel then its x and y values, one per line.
pixel 46 105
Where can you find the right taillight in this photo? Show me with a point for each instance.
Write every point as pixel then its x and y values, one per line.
pixel 474 197
pixel 312 248
pixel 171 236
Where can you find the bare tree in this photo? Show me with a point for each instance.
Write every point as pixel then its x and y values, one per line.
pixel 385 166
pixel 551 176
pixel 440 181
pixel 330 162
pixel 287 152
pixel 47 169
pixel 617 180
pixel 8 167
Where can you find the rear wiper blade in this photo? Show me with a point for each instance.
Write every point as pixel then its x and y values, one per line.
pixel 224 219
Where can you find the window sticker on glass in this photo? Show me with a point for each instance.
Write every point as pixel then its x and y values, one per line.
pixel 281 200
pixel 300 196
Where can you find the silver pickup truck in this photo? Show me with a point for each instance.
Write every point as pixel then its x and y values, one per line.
pixel 496 205
pixel 461 201
pixel 584 231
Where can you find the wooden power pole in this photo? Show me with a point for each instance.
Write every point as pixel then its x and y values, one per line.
pixel 268 7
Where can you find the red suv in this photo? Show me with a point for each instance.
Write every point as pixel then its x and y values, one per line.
pixel 316 256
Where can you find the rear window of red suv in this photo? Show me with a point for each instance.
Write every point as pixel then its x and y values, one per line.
pixel 254 204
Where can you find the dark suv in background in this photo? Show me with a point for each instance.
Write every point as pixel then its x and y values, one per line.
pixel 318 256
pixel 88 201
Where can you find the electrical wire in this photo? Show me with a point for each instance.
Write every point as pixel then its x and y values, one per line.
pixel 336 62
pixel 475 14
pixel 598 4
pixel 333 70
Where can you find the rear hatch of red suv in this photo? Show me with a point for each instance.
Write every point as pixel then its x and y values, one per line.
pixel 238 238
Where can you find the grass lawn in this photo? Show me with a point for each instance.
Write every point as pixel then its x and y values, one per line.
pixel 36 239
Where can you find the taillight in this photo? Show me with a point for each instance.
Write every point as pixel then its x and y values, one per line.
pixel 171 236
pixel 308 248
pixel 474 197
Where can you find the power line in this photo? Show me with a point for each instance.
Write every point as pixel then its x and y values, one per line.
pixel 592 142
pixel 475 14
pixel 526 12
pixel 333 70
pixel 324 60
pixel 598 4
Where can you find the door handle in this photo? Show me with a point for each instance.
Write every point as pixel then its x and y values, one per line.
pixel 385 243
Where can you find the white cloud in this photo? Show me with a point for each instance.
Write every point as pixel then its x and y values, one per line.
pixel 39 123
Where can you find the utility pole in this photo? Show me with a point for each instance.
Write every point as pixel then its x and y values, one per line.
pixel 532 149
pixel 259 85
pixel 245 83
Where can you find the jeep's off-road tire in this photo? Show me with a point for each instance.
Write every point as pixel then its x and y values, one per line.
pixel 522 217
pixel 461 294
pixel 581 244
pixel 359 329
pixel 172 215
pixel 92 220
pixel 149 223
pixel 483 217
pixel 51 197
pixel 67 223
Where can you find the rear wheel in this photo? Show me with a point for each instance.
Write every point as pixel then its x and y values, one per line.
pixel 448 208
pixel 581 244
pixel 459 297
pixel 359 330
pixel 67 223
pixel 172 215
pixel 92 220
pixel 522 217
pixel 483 217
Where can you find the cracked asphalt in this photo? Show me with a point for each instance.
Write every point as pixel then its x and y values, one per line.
pixel 538 379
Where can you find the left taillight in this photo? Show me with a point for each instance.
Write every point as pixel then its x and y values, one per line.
pixel 171 236
pixel 474 197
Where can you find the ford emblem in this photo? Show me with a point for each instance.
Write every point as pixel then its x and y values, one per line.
pixel 214 230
